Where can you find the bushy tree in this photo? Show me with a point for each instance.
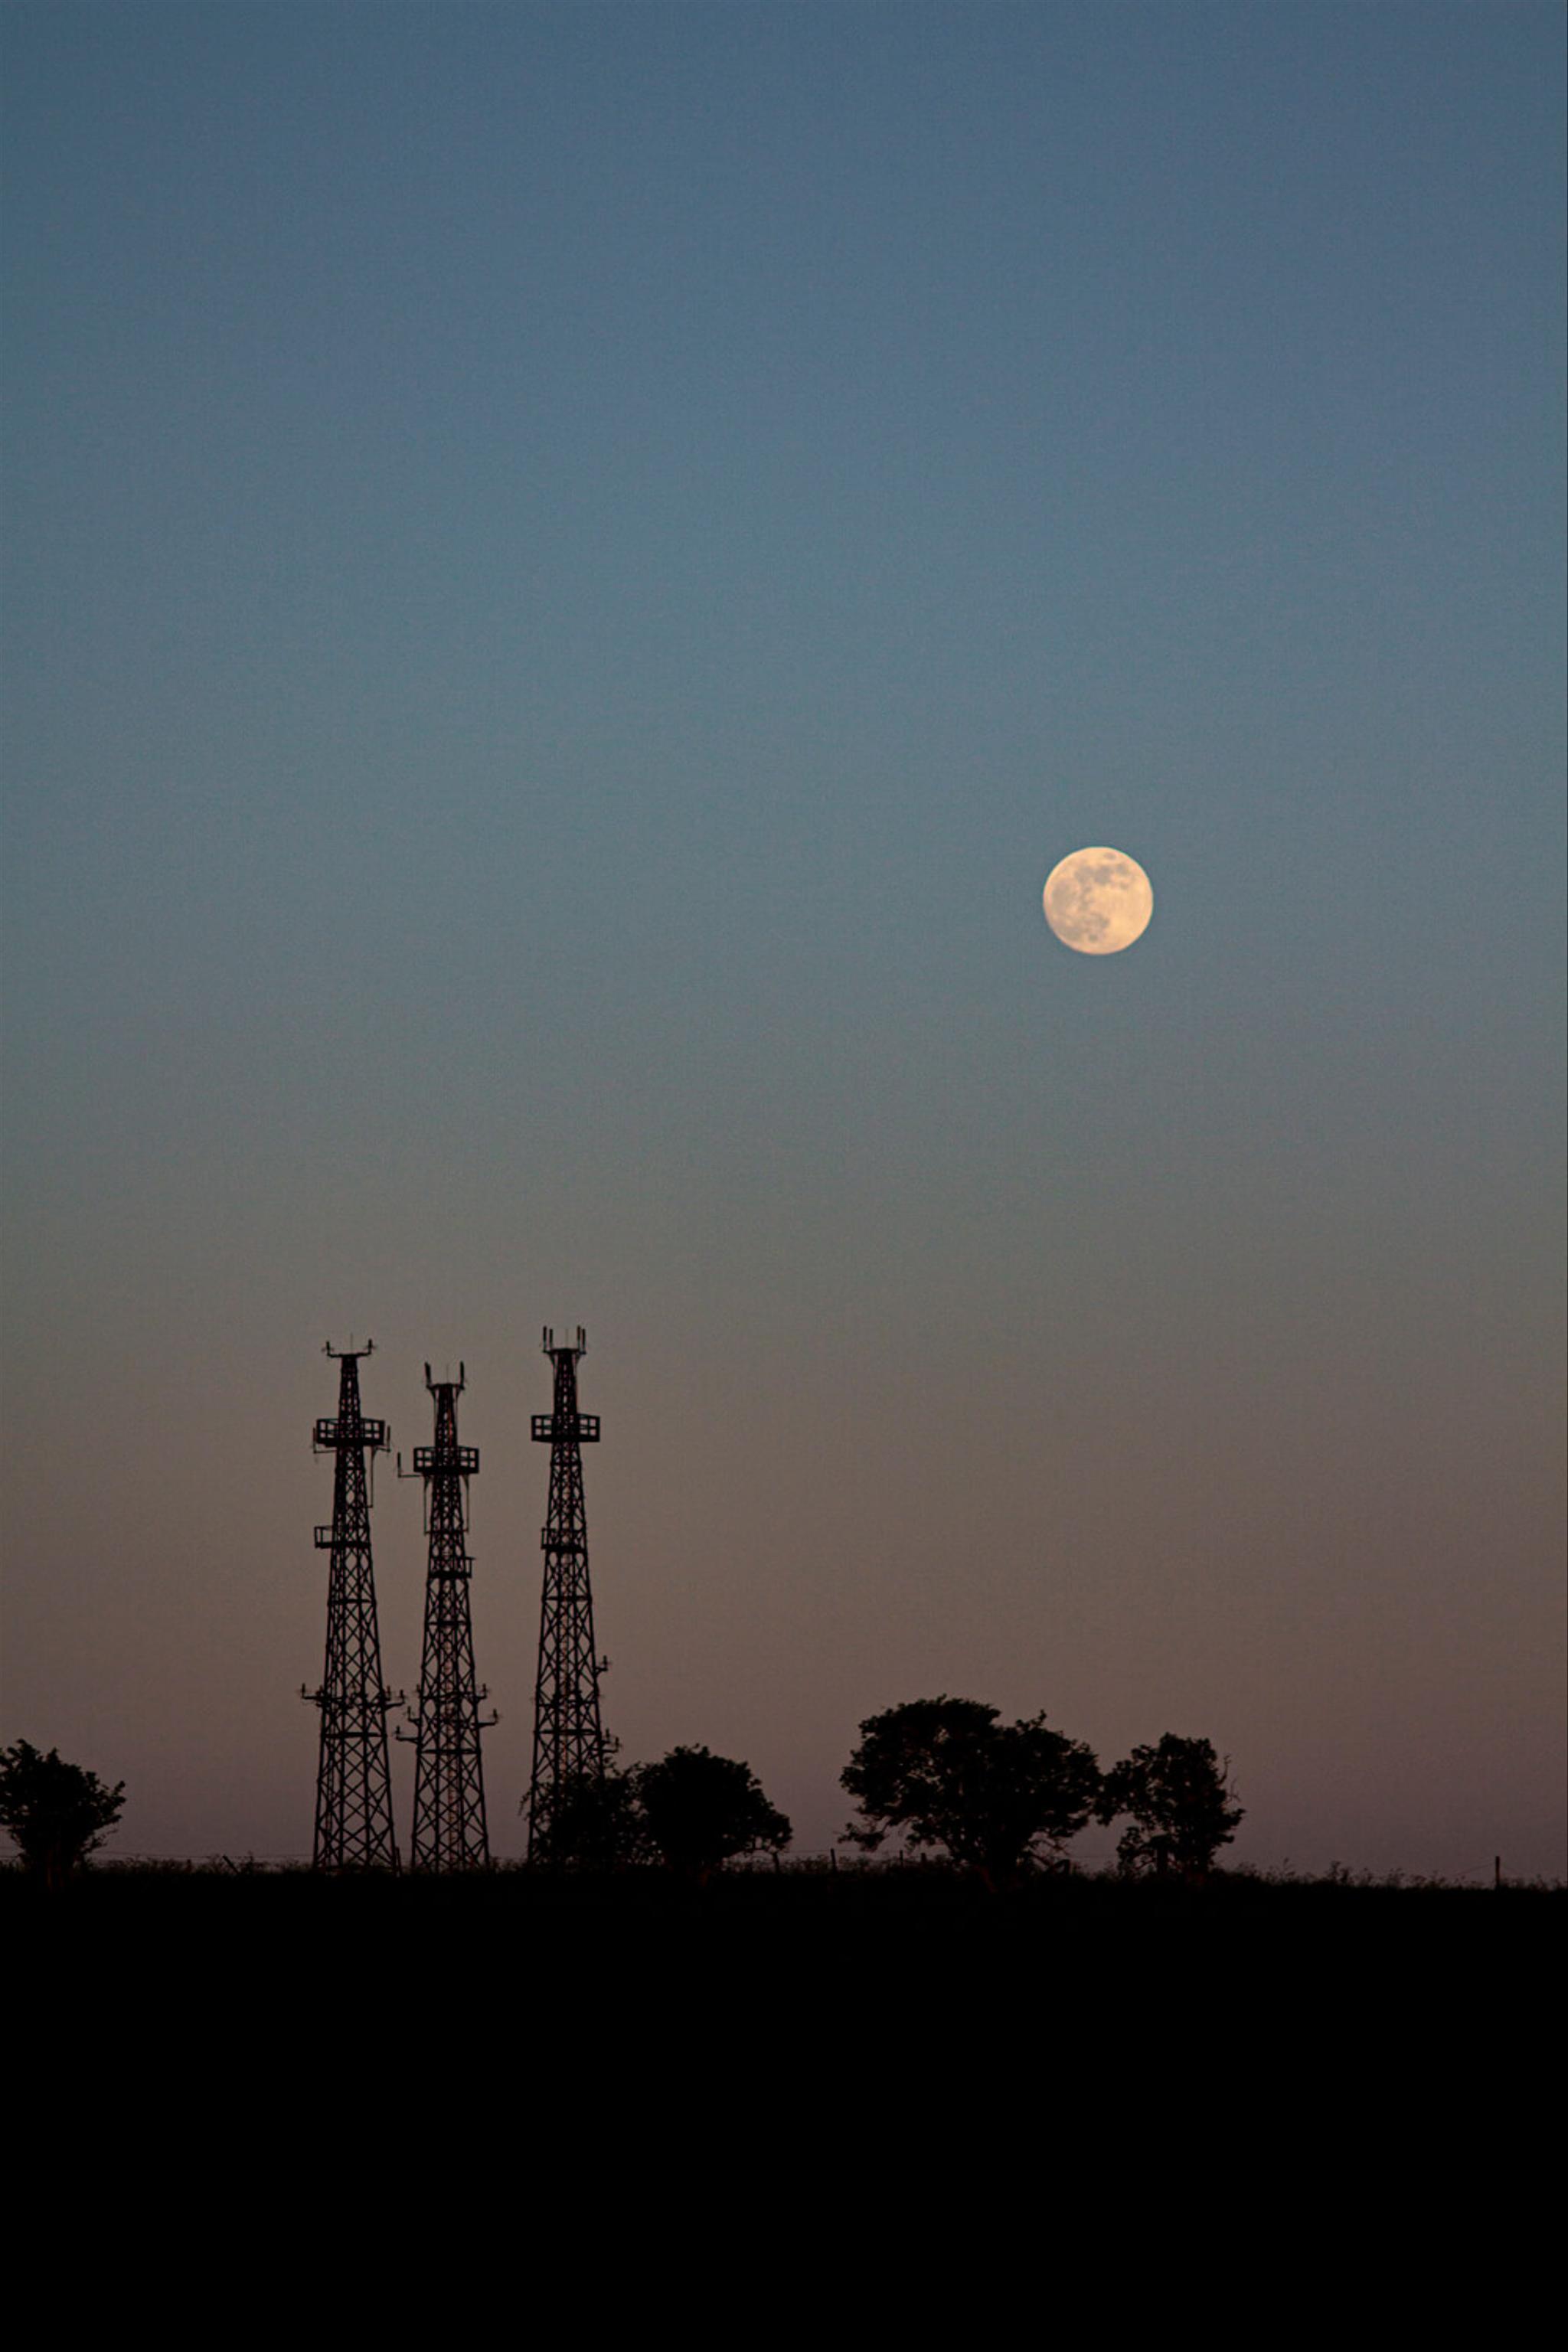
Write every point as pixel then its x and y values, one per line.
pixel 699 1810
pixel 57 1812
pixel 947 1772
pixel 590 1820
pixel 1181 1807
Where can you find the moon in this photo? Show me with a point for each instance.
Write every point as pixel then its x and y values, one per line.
pixel 1099 901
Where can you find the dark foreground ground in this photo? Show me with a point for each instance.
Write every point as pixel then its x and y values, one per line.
pixel 796 1944
pixel 797 2084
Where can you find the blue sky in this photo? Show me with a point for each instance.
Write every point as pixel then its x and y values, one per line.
pixel 572 569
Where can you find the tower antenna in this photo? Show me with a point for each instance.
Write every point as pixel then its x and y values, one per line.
pixel 449 1831
pixel 568 1732
pixel 353 1784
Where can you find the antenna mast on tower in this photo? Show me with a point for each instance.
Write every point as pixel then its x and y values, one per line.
pixel 449 1831
pixel 568 1734
pixel 354 1783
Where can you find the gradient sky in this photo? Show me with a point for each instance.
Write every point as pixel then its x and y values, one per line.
pixel 570 571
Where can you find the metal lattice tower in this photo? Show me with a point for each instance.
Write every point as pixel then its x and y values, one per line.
pixel 354 1783
pixel 568 1735
pixel 449 1831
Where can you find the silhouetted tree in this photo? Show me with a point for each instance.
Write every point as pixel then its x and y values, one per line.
pixel 948 1772
pixel 699 1810
pixel 591 1821
pixel 57 1812
pixel 1181 1806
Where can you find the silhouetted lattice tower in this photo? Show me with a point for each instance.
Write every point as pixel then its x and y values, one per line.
pixel 568 1736
pixel 353 1784
pixel 449 1831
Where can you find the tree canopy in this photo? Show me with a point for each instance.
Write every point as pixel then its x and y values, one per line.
pixel 591 1822
pixel 1181 1807
pixel 692 1811
pixel 948 1773
pixel 701 1810
pixel 57 1812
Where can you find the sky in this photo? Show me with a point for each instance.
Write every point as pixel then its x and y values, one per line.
pixel 570 571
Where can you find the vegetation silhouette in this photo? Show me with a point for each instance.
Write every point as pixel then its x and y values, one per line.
pixel 58 1812
pixel 590 1820
pixel 692 1811
pixel 999 1798
pixel 1181 1806
pixel 700 1811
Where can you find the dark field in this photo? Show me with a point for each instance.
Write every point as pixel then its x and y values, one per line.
pixel 840 2044
pixel 805 1934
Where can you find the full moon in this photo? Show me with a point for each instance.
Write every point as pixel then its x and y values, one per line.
pixel 1099 901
